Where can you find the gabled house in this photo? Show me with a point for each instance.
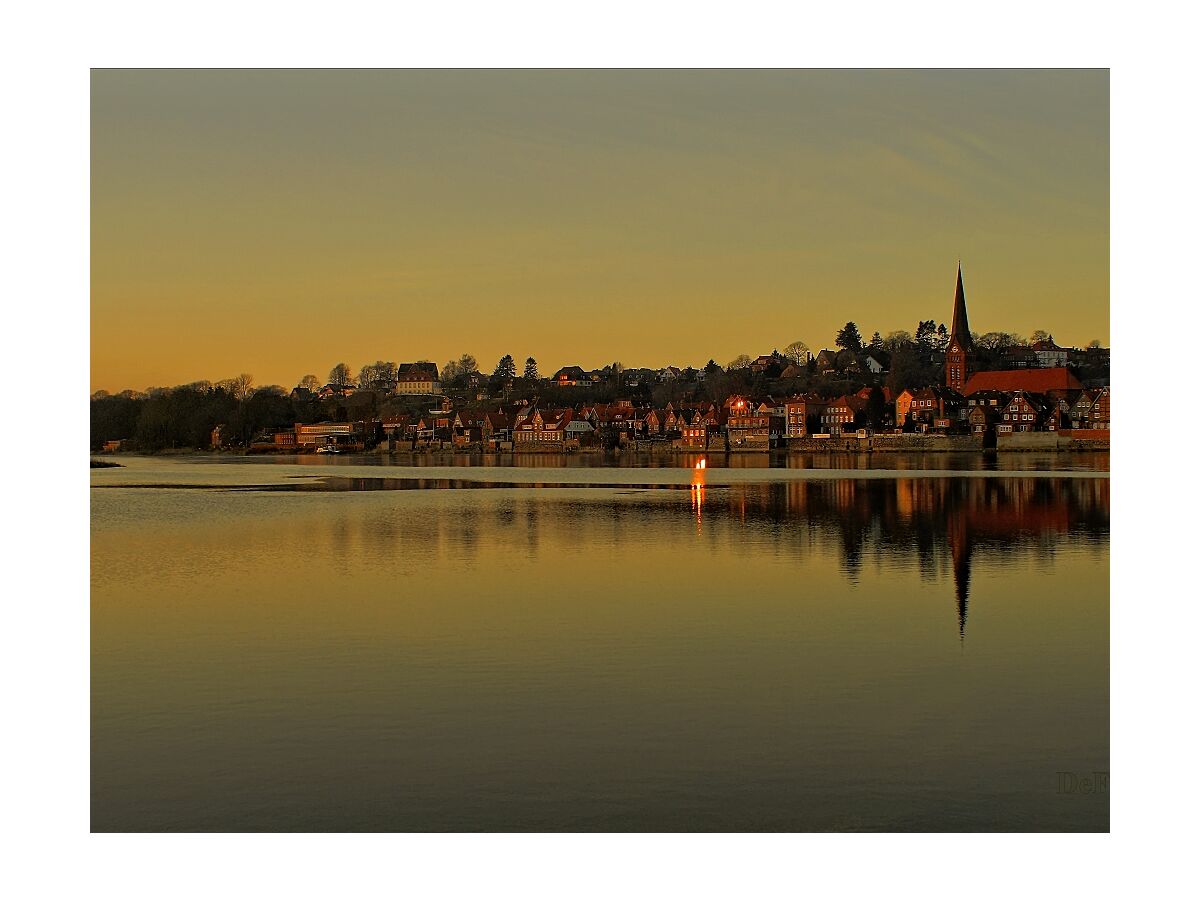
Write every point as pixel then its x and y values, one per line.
pixel 543 428
pixel 842 414
pixel 983 419
pixel 579 429
pixel 826 362
pixel 335 390
pixel 996 400
pixel 418 378
pixel 570 376
pixel 802 416
pixel 936 407
pixel 747 427
pixel 423 430
pixel 1024 412
pixel 496 426
pixel 711 416
pixel 1080 408
pixel 875 362
pixel 672 420
pixel 1098 415
pixel 696 435
pixel 652 422
pixel 1063 401
pixel 792 370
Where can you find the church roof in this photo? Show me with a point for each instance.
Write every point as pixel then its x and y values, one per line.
pixel 1034 381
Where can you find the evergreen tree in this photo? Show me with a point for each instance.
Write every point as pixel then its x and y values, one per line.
pixel 506 368
pixel 849 338
pixel 943 337
pixel 926 330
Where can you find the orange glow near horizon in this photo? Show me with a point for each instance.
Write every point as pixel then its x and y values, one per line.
pixel 280 222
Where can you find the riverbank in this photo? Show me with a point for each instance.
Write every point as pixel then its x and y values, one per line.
pixel 812 449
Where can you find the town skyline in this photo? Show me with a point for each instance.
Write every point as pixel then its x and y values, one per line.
pixel 264 220
pixel 547 367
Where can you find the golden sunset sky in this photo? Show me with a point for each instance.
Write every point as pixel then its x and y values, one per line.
pixel 279 222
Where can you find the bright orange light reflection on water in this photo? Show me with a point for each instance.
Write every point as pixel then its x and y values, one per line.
pixel 698 492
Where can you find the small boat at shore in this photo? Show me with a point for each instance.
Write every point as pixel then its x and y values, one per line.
pixel 327 448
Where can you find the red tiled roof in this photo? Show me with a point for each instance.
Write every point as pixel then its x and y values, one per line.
pixel 1035 381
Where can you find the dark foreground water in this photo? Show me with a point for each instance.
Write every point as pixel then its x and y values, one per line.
pixel 350 646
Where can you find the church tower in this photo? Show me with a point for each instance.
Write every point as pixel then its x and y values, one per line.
pixel 960 352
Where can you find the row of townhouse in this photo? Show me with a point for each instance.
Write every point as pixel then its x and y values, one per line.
pixel 738 422
pixel 1005 411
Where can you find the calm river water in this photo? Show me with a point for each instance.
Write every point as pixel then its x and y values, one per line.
pixel 337 644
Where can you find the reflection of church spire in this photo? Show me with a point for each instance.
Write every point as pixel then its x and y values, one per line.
pixel 962 586
pixel 960 556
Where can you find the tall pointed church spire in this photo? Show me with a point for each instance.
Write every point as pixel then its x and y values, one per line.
pixel 959 327
pixel 960 351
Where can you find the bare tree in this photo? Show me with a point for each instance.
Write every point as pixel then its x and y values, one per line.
pixel 742 361
pixel 994 340
pixel 339 375
pixel 310 382
pixel 243 386
pixel 797 352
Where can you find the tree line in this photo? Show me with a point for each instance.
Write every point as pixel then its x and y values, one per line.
pixel 185 416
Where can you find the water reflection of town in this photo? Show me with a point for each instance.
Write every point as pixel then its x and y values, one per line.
pixel 939 525
pixel 916 461
pixel 928 519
